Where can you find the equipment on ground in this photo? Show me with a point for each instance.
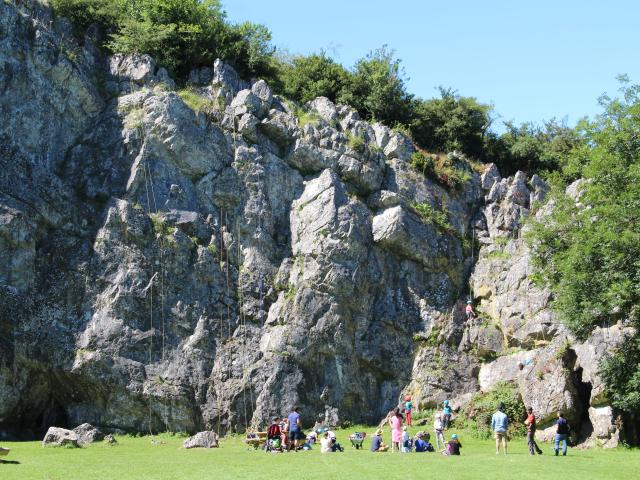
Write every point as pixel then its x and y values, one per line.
pixel 356 439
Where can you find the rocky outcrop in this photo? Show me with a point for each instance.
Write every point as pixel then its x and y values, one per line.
pixel 172 266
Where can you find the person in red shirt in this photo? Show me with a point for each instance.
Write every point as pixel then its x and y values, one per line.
pixel 530 422
pixel 469 311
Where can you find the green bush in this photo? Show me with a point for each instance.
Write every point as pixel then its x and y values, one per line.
pixel 430 215
pixel 180 34
pixel 423 163
pixel 477 415
pixel 356 142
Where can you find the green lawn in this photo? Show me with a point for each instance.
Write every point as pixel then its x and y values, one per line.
pixel 141 458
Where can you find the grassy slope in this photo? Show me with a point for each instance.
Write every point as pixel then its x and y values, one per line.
pixel 139 459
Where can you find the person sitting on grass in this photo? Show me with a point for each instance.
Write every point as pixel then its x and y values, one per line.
pixel 453 447
pixel 422 444
pixel 407 442
pixel 377 445
pixel 325 443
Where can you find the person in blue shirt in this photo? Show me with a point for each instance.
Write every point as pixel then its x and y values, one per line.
pixel 499 425
pixel 562 434
pixel 295 429
pixel 446 414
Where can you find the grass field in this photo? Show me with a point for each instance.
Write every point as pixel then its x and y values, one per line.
pixel 163 458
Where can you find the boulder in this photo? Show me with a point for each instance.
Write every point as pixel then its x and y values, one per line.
pixel 60 437
pixel 207 439
pixel 87 433
pixel 134 67
pixel 246 102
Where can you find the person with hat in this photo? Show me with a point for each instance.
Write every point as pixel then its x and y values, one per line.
pixel 447 411
pixel 377 445
pixel 454 445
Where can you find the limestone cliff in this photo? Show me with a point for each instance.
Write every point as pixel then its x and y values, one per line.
pixel 208 258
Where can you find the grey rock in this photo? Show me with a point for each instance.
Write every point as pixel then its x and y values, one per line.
pixel 246 102
pixel 206 439
pixel 490 176
pixel 136 68
pixel 87 433
pixel 325 108
pixel 60 437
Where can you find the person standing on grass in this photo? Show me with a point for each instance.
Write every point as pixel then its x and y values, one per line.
pixel 439 429
pixel 396 430
pixel 407 409
pixel 295 429
pixel 499 425
pixel 530 422
pixel 562 435
pixel 446 414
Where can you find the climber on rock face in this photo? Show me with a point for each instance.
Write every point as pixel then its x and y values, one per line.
pixel 469 310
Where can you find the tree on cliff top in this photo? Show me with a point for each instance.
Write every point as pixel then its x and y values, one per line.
pixel 588 250
pixel 180 34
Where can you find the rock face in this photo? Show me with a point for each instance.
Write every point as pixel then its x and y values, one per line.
pixel 202 440
pixel 60 437
pixel 165 269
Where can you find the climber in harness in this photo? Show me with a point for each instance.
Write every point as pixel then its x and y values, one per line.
pixel 469 310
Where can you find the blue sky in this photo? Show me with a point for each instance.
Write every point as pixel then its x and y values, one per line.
pixel 533 60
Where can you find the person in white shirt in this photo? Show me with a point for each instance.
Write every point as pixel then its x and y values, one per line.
pixel 438 426
pixel 325 443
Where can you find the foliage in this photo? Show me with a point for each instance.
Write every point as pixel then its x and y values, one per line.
pixel 180 34
pixel 451 122
pixel 428 214
pixel 621 374
pixel 316 75
pixel 356 142
pixel 196 101
pixel 588 251
pixel 477 415
pixel 532 148
pixel 376 89
pixel 422 162
pixel 160 226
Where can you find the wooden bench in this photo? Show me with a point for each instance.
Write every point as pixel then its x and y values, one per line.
pixel 258 441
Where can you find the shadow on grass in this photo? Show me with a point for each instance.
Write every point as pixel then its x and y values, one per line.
pixel 9 462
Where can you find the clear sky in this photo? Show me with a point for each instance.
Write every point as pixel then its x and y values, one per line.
pixel 532 59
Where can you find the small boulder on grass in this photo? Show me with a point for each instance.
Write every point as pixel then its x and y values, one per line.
pixel 87 433
pixel 110 440
pixel 60 437
pixel 206 439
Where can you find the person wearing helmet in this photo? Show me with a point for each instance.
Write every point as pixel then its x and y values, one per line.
pixel 446 414
pixel 454 446
pixel 469 310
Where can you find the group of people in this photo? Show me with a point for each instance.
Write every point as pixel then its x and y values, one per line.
pixel 500 426
pixel 286 434
pixel 402 442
